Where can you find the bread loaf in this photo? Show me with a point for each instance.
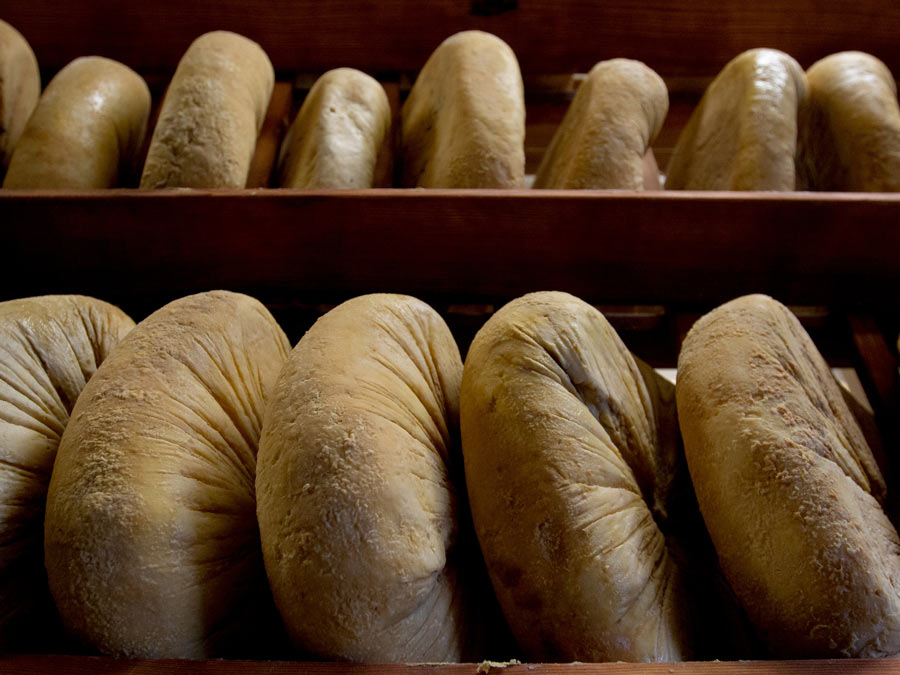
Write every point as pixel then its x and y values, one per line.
pixel 211 116
pixel 743 135
pixel 341 136
pixel 463 125
pixel 358 508
pixel 87 130
pixel 49 348
pixel 151 539
pixel 787 486
pixel 20 87
pixel 850 126
pixel 566 471
pixel 617 112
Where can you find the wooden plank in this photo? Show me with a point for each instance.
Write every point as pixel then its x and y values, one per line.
pixel 463 246
pixel 78 665
pixel 689 38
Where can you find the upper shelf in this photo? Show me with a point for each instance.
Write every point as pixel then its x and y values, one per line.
pixel 676 39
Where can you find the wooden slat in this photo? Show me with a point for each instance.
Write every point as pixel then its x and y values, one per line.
pixel 689 38
pixel 456 245
pixel 78 665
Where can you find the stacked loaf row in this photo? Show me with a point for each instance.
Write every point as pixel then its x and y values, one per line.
pixel 763 124
pixel 198 474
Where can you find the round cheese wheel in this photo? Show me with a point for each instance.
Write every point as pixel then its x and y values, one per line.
pixel 87 130
pixel 151 541
pixel 566 473
pixel 49 348
pixel 358 509
pixel 788 488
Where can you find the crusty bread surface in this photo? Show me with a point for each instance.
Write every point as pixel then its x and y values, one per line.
pixel 87 130
pixel 788 488
pixel 566 472
pixel 211 115
pixel 49 348
pixel 850 126
pixel 20 88
pixel 463 125
pixel 152 547
pixel 341 136
pixel 743 135
pixel 617 112
pixel 358 509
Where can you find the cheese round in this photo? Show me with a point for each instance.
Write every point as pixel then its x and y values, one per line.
pixel 20 88
pixel 87 130
pixel 341 136
pixel 566 473
pixel 211 116
pixel 788 488
pixel 463 125
pixel 49 348
pixel 151 542
pixel 357 500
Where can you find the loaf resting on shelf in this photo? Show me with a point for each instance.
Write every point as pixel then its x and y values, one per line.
pixel 211 116
pixel 87 130
pixel 152 547
pixel 49 348
pixel 20 88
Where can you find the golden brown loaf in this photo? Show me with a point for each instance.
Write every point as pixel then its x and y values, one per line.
pixel 357 508
pixel 743 135
pixel 463 125
pixel 87 130
pixel 20 88
pixel 49 348
pixel 565 473
pixel 341 136
pixel 850 127
pixel 601 143
pixel 211 116
pixel 151 538
pixel 787 485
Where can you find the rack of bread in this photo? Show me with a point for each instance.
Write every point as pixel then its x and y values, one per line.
pixel 489 223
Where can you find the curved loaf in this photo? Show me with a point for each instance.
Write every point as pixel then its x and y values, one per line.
pixel 617 112
pixel 212 114
pixel 850 126
pixel 151 539
pixel 463 125
pixel 341 136
pixel 86 131
pixel 49 348
pixel 20 88
pixel 357 509
pixel 565 471
pixel 787 485
pixel 743 135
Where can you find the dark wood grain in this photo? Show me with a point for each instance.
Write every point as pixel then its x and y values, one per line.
pixel 695 38
pixel 84 665
pixel 456 246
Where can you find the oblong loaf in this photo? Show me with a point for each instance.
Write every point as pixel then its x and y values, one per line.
pixel 49 348
pixel 787 485
pixel 20 88
pixel 357 508
pixel 341 136
pixel 850 126
pixel 743 135
pixel 151 539
pixel 565 471
pixel 463 125
pixel 211 116
pixel 87 130
pixel 617 112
